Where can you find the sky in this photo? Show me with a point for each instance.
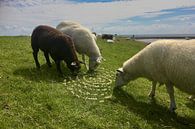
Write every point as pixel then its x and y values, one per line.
pixel 20 17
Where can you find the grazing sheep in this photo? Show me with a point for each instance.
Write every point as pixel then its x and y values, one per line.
pixel 107 36
pixel 169 62
pixel 73 24
pixel 68 24
pixel 58 45
pixel 84 41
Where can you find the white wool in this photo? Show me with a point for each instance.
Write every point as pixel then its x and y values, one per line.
pixel 169 62
pixel 94 36
pixel 67 24
pixel 83 39
pixel 73 24
pixel 166 61
pixel 110 41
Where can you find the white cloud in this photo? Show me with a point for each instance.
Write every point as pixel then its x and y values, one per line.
pixel 185 18
pixel 29 14
pixel 153 29
pixel 153 14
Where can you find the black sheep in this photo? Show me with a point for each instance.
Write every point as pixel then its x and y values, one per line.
pixel 107 36
pixel 56 44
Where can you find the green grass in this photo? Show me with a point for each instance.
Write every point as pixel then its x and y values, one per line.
pixel 40 99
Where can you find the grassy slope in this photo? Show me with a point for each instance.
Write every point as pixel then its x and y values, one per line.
pixel 38 99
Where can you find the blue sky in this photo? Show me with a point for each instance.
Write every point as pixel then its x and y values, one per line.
pixel 166 14
pixel 20 17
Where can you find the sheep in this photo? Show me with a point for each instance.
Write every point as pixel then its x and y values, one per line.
pixel 68 24
pixel 110 41
pixel 56 44
pixel 84 41
pixel 74 25
pixel 107 36
pixel 169 62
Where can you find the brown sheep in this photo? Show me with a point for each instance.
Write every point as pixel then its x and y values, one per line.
pixel 56 44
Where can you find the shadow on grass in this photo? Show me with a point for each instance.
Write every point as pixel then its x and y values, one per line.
pixel 49 74
pixel 153 112
pixel 45 73
pixel 191 104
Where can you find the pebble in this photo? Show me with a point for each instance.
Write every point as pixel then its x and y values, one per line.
pixel 93 87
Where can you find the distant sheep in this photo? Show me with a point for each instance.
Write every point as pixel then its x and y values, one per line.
pixel 55 43
pixel 110 41
pixel 169 62
pixel 84 41
pixel 107 36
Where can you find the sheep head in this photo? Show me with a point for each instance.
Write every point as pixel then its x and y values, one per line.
pixel 121 78
pixel 94 63
pixel 74 67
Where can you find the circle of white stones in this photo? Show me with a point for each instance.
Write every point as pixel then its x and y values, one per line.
pixel 96 87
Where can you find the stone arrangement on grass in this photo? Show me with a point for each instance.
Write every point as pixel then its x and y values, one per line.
pixel 95 86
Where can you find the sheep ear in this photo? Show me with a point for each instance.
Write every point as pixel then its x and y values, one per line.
pixel 120 70
pixel 99 59
pixel 73 63
pixel 103 59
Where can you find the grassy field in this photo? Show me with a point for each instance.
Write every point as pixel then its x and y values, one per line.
pixel 41 99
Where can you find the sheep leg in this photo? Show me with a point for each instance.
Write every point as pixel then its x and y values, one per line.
pixel 58 66
pixel 83 58
pixel 36 58
pixel 170 91
pixel 152 91
pixel 46 54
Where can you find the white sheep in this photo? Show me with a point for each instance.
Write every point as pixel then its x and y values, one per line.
pixel 84 41
pixel 73 24
pixel 67 24
pixel 169 62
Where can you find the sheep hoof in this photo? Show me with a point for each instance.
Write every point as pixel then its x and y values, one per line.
pixel 90 71
pixel 74 74
pixel 151 95
pixel 117 88
pixel 172 109
pixel 74 77
pixel 38 68
pixel 60 75
pixel 49 65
